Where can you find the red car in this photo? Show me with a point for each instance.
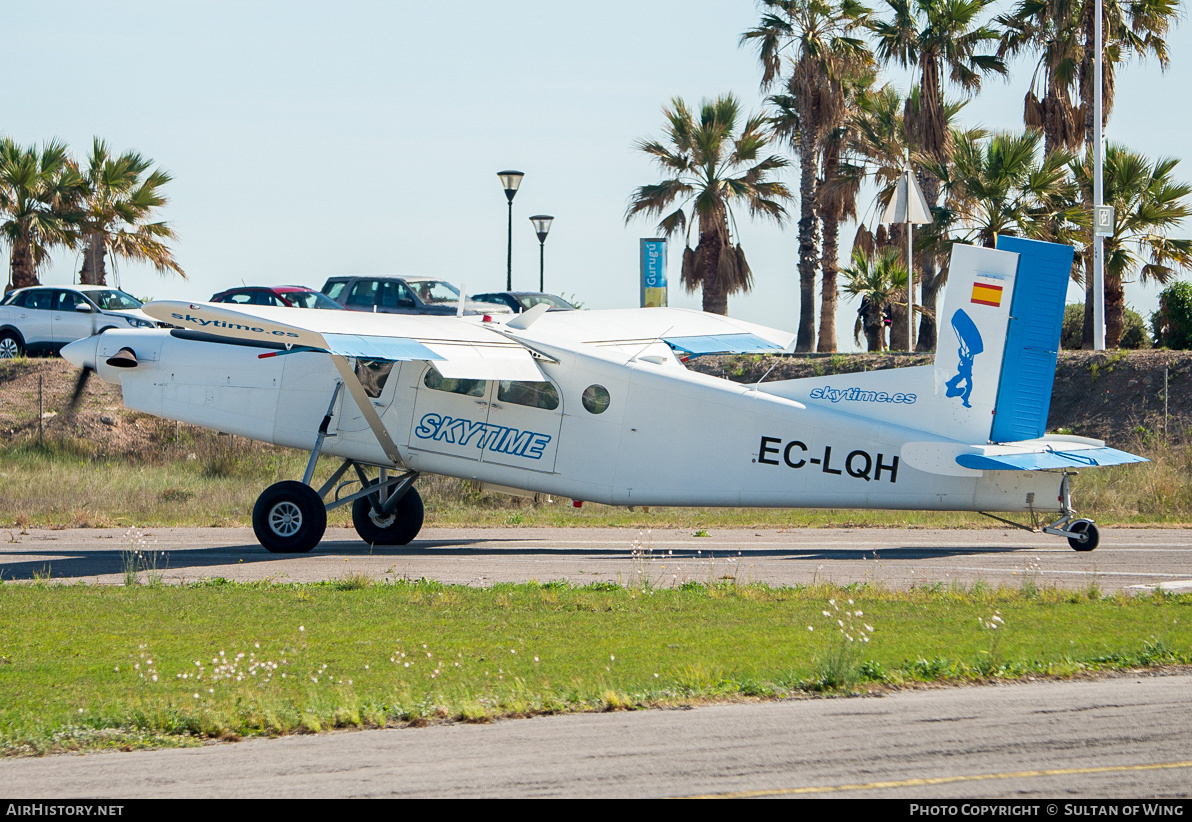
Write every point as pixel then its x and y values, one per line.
pixel 285 296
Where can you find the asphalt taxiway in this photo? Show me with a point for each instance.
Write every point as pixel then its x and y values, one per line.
pixel 1134 559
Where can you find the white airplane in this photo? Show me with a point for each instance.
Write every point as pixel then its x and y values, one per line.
pixel 598 406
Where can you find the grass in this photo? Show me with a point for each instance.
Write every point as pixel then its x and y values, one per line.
pixel 89 667
pixel 206 481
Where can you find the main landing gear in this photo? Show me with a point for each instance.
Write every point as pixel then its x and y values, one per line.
pixel 1082 534
pixel 290 517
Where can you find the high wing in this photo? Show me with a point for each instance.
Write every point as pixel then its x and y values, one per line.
pixel 459 347
pixel 469 347
pixel 687 332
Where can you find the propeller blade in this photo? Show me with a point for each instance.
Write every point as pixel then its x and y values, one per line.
pixel 80 386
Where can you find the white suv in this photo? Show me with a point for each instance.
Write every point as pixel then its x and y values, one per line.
pixel 45 318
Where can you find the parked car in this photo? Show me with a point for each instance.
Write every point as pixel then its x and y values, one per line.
pixel 44 318
pixel 403 295
pixel 520 301
pixel 285 296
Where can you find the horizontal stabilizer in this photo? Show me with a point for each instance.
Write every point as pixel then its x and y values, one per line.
pixel 1048 460
pixel 722 344
pixel 1050 453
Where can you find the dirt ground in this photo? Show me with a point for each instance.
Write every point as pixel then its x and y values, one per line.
pixel 1117 396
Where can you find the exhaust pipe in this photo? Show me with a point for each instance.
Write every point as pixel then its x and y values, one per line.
pixel 124 358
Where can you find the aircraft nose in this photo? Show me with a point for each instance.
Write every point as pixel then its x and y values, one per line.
pixel 81 353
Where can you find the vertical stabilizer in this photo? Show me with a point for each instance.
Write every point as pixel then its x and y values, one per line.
pixel 972 334
pixel 999 328
pixel 1032 342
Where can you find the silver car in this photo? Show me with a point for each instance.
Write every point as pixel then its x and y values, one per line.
pixel 44 318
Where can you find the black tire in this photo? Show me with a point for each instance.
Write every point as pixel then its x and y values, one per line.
pixel 10 346
pixel 289 518
pixel 398 529
pixel 1087 537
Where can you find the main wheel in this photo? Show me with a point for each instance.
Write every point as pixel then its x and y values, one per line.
pixel 397 528
pixel 289 518
pixel 1087 535
pixel 10 346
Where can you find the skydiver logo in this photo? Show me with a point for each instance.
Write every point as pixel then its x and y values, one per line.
pixel 855 394
pixel 483 435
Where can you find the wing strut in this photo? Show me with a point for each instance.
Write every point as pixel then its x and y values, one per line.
pixel 352 383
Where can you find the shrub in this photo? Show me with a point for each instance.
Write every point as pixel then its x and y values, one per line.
pixel 1173 321
pixel 1134 333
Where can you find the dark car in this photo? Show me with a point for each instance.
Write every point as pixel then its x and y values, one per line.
pixel 520 301
pixel 403 295
pixel 285 296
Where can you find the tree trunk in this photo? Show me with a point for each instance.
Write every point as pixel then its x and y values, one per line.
pixel 22 273
pixel 827 327
pixel 828 262
pixel 94 271
pixel 898 341
pixel 871 323
pixel 1115 306
pixel 707 261
pixel 808 242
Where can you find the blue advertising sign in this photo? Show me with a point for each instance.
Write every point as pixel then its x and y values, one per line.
pixel 653 272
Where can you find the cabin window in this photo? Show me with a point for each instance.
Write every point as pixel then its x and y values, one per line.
pixel 469 388
pixel 534 394
pixel 596 399
pixel 372 375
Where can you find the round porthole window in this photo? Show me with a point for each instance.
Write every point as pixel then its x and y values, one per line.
pixel 596 399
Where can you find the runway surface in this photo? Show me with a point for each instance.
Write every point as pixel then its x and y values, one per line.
pixel 1125 737
pixel 896 558
pixel 1117 737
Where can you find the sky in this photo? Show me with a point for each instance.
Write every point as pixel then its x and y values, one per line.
pixel 312 139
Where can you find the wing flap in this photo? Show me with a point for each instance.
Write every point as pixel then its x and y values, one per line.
pixel 378 348
pixel 738 343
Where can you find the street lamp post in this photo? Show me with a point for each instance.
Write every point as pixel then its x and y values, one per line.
pixel 510 180
pixel 542 228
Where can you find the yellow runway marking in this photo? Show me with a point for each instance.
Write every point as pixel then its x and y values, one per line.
pixel 940 780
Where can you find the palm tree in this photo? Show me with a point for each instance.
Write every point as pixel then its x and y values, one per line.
pixel 1063 32
pixel 710 164
pixel 880 282
pixel 118 204
pixel 1147 204
pixel 824 53
pixel 1000 185
pixel 1052 29
pixel 936 37
pixel 37 189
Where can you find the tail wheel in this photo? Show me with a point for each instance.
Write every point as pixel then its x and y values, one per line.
pixel 397 528
pixel 1087 536
pixel 289 518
